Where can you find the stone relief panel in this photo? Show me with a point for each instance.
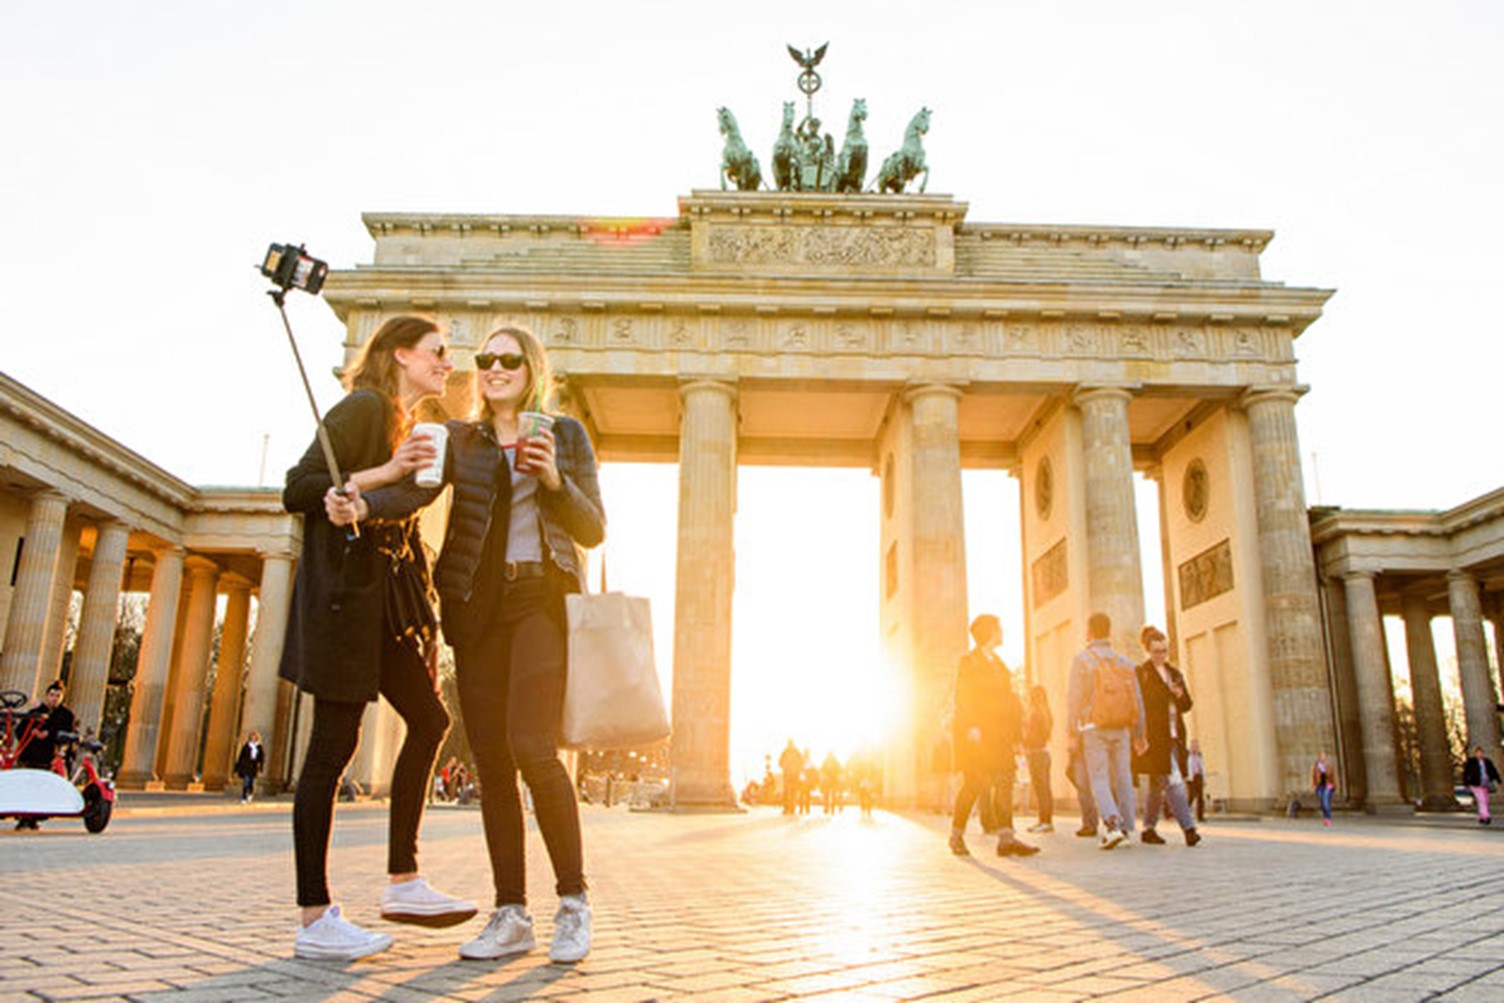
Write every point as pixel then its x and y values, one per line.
pixel 1020 338
pixel 563 331
pixel 1050 574
pixel 838 246
pixel 852 337
pixel 1206 576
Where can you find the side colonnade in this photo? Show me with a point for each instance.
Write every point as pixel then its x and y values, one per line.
pixel 82 514
pixel 1412 567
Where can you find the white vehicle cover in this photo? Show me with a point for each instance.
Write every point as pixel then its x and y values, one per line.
pixel 39 792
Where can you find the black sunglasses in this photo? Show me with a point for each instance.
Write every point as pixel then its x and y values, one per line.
pixel 508 360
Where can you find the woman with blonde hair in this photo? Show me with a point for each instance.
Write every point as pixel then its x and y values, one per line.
pixel 361 626
pixel 526 500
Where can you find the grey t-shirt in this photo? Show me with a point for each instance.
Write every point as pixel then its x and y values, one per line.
pixel 523 542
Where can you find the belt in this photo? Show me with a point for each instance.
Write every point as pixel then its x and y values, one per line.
pixel 513 570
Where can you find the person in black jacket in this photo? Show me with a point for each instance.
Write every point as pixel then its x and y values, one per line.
pixel 249 764
pixel 523 508
pixel 360 626
pixel 1166 699
pixel 1481 777
pixel 988 726
pixel 48 730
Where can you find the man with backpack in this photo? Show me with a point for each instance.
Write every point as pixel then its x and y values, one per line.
pixel 1106 708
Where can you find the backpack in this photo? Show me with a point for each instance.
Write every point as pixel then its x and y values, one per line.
pixel 1113 690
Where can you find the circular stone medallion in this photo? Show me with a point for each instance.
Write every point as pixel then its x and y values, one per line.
pixel 1044 488
pixel 1195 490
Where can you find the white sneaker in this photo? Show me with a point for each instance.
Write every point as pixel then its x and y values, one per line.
pixel 414 902
pixel 331 937
pixel 571 930
pixel 1113 839
pixel 1042 827
pixel 510 931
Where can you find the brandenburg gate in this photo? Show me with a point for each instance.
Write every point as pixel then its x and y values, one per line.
pixel 889 332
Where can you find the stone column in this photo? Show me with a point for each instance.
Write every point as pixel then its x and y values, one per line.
pixel 1292 611
pixel 937 607
pixel 137 766
pixel 193 673
pixel 31 602
pixel 1349 709
pixel 90 674
pixel 50 666
pixel 702 597
pixel 1375 692
pixel 220 746
pixel 1479 697
pixel 1115 579
pixel 260 713
pixel 1430 717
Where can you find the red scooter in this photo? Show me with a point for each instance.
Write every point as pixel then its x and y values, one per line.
pixel 38 794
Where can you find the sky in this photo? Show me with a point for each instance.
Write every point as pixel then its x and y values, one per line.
pixel 151 152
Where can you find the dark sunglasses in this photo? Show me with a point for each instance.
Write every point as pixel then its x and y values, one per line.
pixel 508 360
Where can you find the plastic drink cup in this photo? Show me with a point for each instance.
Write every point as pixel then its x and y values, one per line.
pixel 432 475
pixel 530 425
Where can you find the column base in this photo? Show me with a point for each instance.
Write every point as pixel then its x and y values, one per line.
pixel 1389 808
pixel 139 782
pixel 1439 803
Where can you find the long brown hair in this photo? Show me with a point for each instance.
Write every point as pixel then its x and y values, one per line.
pixel 375 366
pixel 541 391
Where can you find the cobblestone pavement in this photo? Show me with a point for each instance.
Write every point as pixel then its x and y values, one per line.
pixel 195 904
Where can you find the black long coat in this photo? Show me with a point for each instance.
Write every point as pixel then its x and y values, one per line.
pixel 1159 704
pixel 334 628
pixel 985 700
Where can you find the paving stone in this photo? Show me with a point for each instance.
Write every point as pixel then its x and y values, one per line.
pixel 732 909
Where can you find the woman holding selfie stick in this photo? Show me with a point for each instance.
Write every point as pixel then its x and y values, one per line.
pixel 361 626
pixel 526 500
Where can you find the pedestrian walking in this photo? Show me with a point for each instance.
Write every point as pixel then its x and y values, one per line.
pixel 1106 708
pixel 830 783
pixel 1482 778
pixel 988 727
pixel 360 627
pixel 526 503
pixel 248 765
pixel 1324 783
pixel 1038 723
pixel 1195 779
pixel 791 763
pixel 1166 698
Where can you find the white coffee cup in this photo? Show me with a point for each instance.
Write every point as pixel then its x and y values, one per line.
pixel 432 475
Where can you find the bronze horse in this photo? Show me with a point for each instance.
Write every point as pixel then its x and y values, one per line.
pixel 902 166
pixel 851 167
pixel 785 151
pixel 738 163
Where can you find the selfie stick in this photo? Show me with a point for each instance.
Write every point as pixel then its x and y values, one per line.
pixel 278 296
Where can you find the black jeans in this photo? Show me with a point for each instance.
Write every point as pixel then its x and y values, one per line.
pixel 409 688
pixel 996 788
pixel 511 683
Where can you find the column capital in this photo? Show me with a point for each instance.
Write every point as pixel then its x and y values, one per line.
pixel 1086 392
pixel 1461 576
pixel 235 582
pixel 1359 574
pixel 915 390
pixel 277 554
pixel 51 494
pixel 199 567
pixel 692 384
pixel 1271 394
